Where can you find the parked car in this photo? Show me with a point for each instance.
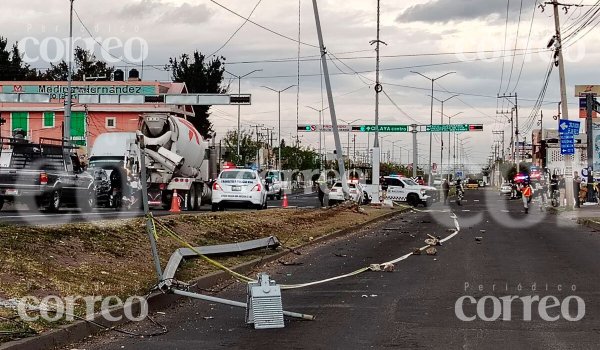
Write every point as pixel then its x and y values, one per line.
pixel 336 194
pixel 103 188
pixel 46 175
pixel 239 188
pixel 505 189
pixel 280 183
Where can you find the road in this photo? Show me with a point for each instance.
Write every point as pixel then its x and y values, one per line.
pixel 22 215
pixel 414 307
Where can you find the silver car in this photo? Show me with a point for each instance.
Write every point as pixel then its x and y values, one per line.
pixel 505 189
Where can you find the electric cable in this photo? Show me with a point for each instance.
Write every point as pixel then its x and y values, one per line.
pixel 237 30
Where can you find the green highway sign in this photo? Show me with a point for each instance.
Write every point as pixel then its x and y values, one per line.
pixel 452 127
pixel 447 127
pixel 383 128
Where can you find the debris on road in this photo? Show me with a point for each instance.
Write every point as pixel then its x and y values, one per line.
pixel 340 255
pixel 417 251
pixel 293 263
pixel 431 251
pixel 478 239
pixel 388 267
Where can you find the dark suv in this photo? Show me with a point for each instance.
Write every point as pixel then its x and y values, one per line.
pixel 46 175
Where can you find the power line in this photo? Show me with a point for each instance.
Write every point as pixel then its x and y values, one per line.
pixel 261 26
pixel 504 47
pixel 512 64
pixel 526 47
pixel 237 30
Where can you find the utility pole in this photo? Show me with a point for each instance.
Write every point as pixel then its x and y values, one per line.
pixel 336 134
pixel 320 132
pixel 69 97
pixel 415 151
pixel 563 96
pixel 279 123
pixel 239 78
pixel 258 144
pixel 591 105
pixel 515 109
pixel 378 89
pixel 354 145
pixel 442 136
pixel 501 132
pixel 431 117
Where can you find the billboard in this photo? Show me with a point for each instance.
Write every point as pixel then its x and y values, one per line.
pixel 596 135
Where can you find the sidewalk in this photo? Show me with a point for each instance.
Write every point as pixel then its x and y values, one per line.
pixel 587 213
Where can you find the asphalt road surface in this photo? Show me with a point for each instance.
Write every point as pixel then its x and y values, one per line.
pixel 22 215
pixel 415 306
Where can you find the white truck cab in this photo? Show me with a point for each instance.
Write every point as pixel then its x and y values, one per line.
pixel 404 189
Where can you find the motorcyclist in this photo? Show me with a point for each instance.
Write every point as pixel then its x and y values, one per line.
pixel 460 191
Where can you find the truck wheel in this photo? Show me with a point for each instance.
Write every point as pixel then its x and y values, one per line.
pixel 1 202
pixel 198 198
pixel 412 200
pixel 191 198
pixel 280 195
pixel 55 201
pixel 88 202
pixel 215 207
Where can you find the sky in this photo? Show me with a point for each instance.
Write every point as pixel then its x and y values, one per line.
pixel 488 53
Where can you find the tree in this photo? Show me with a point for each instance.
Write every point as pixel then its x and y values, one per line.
pixel 200 76
pixel 86 65
pixel 298 157
pixel 12 66
pixel 248 147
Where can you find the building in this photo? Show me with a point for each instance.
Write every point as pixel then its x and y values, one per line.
pixel 546 151
pixel 87 120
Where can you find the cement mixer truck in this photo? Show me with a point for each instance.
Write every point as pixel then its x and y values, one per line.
pixel 177 159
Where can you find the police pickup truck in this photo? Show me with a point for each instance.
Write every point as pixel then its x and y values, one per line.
pixel 46 175
pixel 403 189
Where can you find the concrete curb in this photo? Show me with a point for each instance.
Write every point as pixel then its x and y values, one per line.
pixel 80 330
pixel 590 222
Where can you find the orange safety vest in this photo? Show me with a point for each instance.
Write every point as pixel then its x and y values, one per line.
pixel 527 191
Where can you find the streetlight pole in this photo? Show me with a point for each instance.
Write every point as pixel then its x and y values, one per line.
pixel 239 78
pixel 449 135
pixel 441 135
pixel 279 118
pixel 68 99
pixel 348 145
pixel 431 116
pixel 320 132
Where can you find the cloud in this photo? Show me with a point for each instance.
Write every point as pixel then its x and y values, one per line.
pixel 139 9
pixel 165 12
pixel 443 11
pixel 186 13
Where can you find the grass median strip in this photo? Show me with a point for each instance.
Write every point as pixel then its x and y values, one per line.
pixel 113 257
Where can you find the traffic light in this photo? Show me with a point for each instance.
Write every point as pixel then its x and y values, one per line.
pixel 475 127
pixel 240 100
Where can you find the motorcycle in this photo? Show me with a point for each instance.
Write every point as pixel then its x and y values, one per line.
pixel 555 198
pixel 459 196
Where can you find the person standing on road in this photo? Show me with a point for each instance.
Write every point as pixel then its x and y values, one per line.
pixel 526 192
pixel 542 191
pixel 321 185
pixel 446 190
pixel 576 188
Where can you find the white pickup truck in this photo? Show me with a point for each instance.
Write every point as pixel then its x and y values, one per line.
pixel 403 189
